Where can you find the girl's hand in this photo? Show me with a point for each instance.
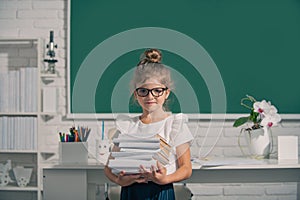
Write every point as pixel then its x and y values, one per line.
pixel 156 174
pixel 124 179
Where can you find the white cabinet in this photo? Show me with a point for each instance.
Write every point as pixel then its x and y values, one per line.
pixel 74 184
pixel 20 105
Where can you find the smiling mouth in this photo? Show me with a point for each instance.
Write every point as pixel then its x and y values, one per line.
pixel 150 102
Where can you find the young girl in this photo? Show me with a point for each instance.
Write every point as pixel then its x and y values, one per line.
pixel 151 86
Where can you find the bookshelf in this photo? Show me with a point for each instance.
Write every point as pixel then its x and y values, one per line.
pixel 20 112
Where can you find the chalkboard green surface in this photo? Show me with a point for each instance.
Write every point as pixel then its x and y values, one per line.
pixel 248 47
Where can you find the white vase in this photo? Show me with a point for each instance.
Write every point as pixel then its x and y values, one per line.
pixel 259 142
pixel 22 175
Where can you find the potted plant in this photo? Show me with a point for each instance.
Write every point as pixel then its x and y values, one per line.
pixel 263 116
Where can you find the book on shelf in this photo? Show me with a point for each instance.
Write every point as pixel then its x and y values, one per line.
pixel 136 151
pixel 18 133
pixel 18 90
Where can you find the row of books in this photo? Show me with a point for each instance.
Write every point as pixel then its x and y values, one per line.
pixel 18 90
pixel 136 150
pixel 18 133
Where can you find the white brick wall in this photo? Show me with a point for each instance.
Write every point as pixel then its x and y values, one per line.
pixel 35 18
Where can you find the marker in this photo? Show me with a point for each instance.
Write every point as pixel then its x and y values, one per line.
pixel 102 129
pixel 60 136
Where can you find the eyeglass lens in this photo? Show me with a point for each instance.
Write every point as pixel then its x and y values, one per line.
pixel 156 92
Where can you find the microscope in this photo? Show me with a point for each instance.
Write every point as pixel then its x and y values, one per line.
pixel 51 53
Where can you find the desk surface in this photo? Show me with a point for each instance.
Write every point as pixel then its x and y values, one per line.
pixel 224 170
pixel 208 164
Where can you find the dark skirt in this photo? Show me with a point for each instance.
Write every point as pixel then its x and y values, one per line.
pixel 148 191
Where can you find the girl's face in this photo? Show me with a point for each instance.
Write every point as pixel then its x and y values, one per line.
pixel 151 96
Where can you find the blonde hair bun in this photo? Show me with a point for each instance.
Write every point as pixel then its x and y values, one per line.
pixel 150 56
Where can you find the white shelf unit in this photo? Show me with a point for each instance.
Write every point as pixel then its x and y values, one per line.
pixel 20 109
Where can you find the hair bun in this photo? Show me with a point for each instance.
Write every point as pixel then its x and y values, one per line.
pixel 150 56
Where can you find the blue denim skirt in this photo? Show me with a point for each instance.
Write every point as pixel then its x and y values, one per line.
pixel 148 191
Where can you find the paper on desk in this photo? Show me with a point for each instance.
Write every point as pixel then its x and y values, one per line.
pixel 221 161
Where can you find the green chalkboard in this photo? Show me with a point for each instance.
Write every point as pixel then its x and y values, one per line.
pixel 218 51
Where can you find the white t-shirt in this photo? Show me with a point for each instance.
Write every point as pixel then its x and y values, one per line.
pixel 173 129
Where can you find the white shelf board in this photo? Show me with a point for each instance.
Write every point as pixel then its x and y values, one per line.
pixel 16 188
pixel 47 75
pixel 19 114
pixel 18 151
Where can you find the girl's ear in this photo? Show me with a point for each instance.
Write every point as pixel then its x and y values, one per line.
pixel 167 93
pixel 134 93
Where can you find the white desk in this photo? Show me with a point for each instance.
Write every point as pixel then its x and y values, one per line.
pixel 67 182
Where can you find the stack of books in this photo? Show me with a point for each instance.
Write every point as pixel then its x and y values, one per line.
pixel 136 151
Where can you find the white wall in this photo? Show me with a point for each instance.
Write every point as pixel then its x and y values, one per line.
pixel 35 18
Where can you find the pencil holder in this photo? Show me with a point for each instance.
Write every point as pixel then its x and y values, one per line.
pixel 103 148
pixel 73 152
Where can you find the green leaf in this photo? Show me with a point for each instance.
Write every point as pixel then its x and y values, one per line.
pixel 240 121
pixel 253 116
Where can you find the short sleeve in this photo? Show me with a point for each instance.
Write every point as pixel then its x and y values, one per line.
pixel 180 131
pixel 123 123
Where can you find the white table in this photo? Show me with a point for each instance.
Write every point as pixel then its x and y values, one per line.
pixel 67 182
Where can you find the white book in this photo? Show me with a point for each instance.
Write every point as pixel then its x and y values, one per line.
pixel 137 136
pixel 139 150
pixel 1 131
pixel 139 145
pixel 139 157
pixel 9 131
pixel 127 163
pixel 34 90
pixel 4 132
pixel 1 93
pixel 5 93
pixel 27 91
pixel 12 135
pixel 29 86
pixel 17 91
pixel 131 139
pixel 161 158
pixel 22 89
pixel 16 133
pixel 14 93
pixel 126 170
pixel 27 133
pixel 10 91
pixel 125 153
pixel 34 139
pixel 30 134
pixel 21 138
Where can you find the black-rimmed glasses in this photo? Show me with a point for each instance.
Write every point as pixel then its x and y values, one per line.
pixel 156 92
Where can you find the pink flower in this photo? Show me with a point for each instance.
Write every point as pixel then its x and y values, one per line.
pixel 271 120
pixel 264 107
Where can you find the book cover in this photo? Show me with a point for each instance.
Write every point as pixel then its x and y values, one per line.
pixel 140 145
pixel 136 151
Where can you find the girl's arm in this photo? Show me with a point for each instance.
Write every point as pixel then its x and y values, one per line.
pixel 183 172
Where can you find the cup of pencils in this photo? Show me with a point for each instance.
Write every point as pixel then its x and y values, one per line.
pixel 73 146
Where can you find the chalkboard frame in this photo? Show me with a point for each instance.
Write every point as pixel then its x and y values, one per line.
pixel 102 114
